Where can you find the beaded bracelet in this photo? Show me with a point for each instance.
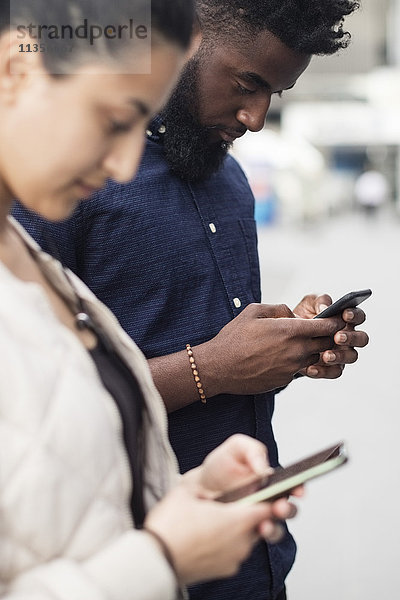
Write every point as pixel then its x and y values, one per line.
pixel 196 375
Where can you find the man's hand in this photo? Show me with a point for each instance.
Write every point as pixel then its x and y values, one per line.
pixel 262 349
pixel 332 362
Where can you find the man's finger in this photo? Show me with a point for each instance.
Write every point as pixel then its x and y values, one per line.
pixel 315 328
pixel 313 360
pixel 354 339
pixel 321 372
pixel 273 311
pixel 346 356
pixel 354 316
pixel 322 302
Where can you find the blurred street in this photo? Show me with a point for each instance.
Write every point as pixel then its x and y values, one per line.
pixel 349 524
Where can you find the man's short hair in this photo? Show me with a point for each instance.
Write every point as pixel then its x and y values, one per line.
pixel 305 26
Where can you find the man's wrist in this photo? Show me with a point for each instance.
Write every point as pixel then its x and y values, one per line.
pixel 212 377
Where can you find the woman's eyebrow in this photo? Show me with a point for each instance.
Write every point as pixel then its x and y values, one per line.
pixel 141 106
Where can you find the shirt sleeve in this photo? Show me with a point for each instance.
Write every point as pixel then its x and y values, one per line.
pixel 62 240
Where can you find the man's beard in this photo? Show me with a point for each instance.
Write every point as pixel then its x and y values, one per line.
pixel 187 146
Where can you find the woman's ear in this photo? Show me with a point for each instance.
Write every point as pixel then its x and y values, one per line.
pixel 197 37
pixel 195 45
pixel 17 68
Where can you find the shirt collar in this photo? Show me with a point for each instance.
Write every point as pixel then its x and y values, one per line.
pixel 156 130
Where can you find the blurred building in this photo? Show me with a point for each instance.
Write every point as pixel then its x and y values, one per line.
pixel 347 107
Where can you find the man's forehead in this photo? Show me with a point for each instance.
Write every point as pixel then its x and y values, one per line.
pixel 266 60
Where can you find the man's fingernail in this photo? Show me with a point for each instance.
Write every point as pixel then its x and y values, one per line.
pixel 322 307
pixel 330 357
pixel 349 314
pixel 342 337
pixel 312 372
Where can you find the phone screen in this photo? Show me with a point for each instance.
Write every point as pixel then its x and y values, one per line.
pixel 283 480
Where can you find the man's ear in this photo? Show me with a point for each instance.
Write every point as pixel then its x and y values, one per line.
pixel 17 68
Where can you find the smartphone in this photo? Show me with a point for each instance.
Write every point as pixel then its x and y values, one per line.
pixel 350 300
pixel 283 480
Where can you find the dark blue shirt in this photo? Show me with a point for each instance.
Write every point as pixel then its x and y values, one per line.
pixel 176 262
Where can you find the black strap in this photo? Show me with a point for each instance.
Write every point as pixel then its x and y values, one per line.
pixel 118 379
pixel 122 385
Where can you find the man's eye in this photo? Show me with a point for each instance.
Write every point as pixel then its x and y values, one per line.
pixel 244 90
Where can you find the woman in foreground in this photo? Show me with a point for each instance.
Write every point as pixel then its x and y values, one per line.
pixel 91 506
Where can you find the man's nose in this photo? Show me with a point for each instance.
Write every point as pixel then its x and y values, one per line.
pixel 253 115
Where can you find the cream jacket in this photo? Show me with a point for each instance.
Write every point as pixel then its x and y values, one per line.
pixel 65 526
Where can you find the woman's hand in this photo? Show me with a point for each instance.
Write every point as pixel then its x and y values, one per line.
pixel 208 539
pixel 233 463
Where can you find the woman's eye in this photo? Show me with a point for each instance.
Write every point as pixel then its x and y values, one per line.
pixel 244 90
pixel 119 127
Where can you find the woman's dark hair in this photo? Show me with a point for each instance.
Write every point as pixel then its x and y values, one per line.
pixel 305 26
pixel 171 20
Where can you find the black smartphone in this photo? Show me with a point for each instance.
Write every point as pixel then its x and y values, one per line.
pixel 282 481
pixel 350 300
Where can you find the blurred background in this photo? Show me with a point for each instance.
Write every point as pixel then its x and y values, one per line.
pixel 326 176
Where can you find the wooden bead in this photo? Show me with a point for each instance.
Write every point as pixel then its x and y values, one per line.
pixel 196 374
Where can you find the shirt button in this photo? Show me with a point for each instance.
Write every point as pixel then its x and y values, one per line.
pixel 213 228
pixel 162 129
pixel 149 133
pixel 237 302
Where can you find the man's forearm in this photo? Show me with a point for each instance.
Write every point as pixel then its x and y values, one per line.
pixel 174 379
pixel 259 350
